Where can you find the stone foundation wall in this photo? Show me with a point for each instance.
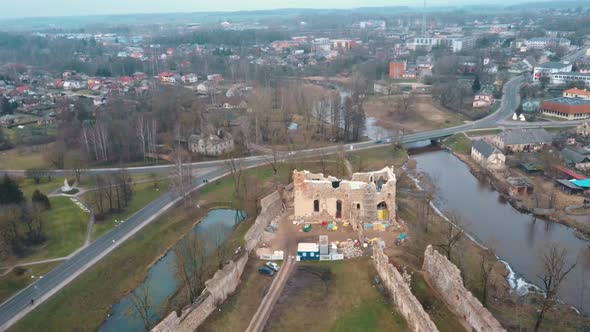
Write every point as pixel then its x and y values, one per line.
pixel 445 277
pixel 417 319
pixel 226 280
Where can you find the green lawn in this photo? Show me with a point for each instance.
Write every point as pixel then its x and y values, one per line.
pixel 485 132
pixel 84 303
pixel 65 227
pixel 334 296
pixel 18 279
pixel 143 194
pixel 459 143
pixel 377 158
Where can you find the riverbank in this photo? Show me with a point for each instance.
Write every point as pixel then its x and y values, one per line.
pixel 543 190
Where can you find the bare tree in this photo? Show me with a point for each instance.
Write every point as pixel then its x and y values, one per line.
pixel 556 267
pixel 452 233
pixel 142 305
pixel 191 265
pixel 181 176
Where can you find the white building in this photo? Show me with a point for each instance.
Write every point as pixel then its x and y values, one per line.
pixel 544 42
pixel 561 78
pixel 549 68
pixel 487 155
pixel 212 145
pixel 189 79
pixel 456 43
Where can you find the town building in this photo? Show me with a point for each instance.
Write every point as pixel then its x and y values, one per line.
pixel 211 145
pixel 487 155
pixel 367 198
pixel 522 139
pixel 321 44
pixel 529 105
pixel 566 108
pixel 189 79
pixel 167 77
pixel 562 78
pixel 397 69
pixel 549 68
pixel 308 251
pixel 577 93
pixel 343 44
pixel 456 43
pixel 583 129
pixel 546 42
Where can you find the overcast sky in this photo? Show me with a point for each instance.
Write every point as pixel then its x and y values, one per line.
pixel 36 8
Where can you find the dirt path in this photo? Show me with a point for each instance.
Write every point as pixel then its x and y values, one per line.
pixel 261 316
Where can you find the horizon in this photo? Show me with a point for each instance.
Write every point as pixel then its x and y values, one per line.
pixel 41 9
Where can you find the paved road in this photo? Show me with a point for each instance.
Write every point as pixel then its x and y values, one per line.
pixel 19 305
pixel 276 288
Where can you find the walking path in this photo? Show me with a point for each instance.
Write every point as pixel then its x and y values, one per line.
pixel 276 288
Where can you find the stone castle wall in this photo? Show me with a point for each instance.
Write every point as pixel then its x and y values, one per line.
pixel 226 280
pixel 446 279
pixel 418 320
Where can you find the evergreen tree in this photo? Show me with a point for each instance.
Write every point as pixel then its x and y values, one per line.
pixel 41 200
pixel 476 85
pixel 10 192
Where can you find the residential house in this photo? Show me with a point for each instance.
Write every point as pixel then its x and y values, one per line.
pixel 487 155
pixel 484 98
pixel 578 158
pixel 167 77
pixel 211 145
pixel 397 69
pixel 577 93
pixel 519 186
pixel 521 139
pixel 189 79
pixel 215 78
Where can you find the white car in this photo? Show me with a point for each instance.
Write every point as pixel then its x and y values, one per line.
pixel 274 266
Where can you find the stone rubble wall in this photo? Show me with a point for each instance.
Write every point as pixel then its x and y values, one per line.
pixel 226 280
pixel 446 279
pixel 418 320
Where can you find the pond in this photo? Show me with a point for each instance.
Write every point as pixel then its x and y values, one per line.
pixel 518 238
pixel 161 279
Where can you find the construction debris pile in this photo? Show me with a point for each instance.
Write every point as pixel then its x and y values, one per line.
pixel 350 248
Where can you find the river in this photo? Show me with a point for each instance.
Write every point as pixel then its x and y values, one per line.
pixel 161 278
pixel 518 238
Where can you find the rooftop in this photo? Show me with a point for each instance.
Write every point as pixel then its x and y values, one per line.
pixel 308 247
pixel 526 136
pixel 567 105
pixel 576 91
pixel 553 65
pixel 485 148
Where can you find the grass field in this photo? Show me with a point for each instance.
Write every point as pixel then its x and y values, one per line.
pixel 18 279
pixel 14 159
pixel 485 132
pixel 84 303
pixel 334 296
pixel 65 227
pixel 377 158
pixel 459 143
pixel 143 194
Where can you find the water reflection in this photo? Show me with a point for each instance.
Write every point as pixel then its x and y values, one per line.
pixel 520 238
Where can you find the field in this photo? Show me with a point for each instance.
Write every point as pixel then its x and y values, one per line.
pixel 235 313
pixel 84 303
pixel 334 296
pixel 18 279
pixel 27 158
pixel 377 158
pixel 423 114
pixel 459 143
pixel 143 193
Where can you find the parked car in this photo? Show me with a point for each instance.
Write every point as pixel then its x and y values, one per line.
pixel 274 266
pixel 266 271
